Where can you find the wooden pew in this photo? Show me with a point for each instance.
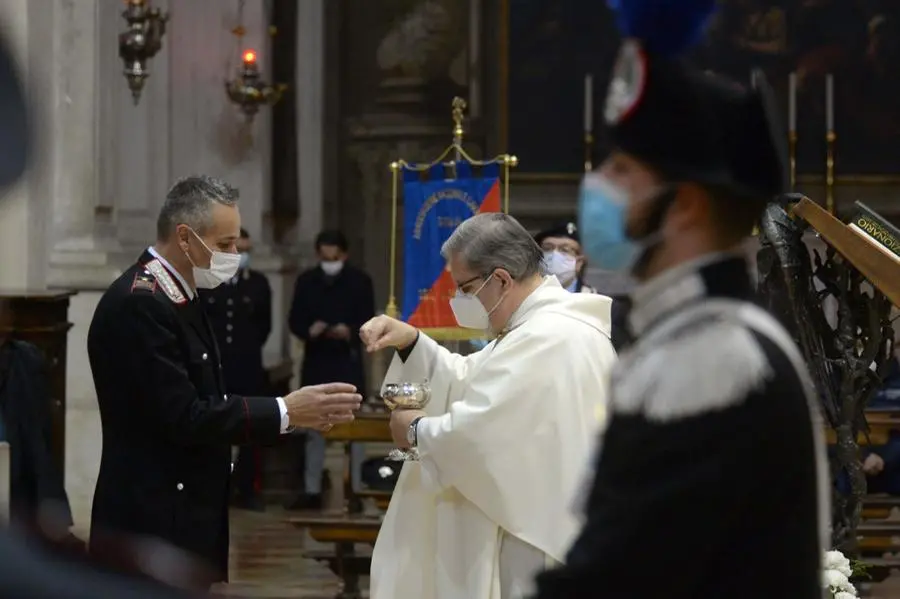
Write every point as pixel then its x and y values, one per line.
pixel 881 423
pixel 345 529
pixel 879 507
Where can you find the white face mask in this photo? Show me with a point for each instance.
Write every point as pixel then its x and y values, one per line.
pixel 468 310
pixel 332 267
pixel 222 267
pixel 561 265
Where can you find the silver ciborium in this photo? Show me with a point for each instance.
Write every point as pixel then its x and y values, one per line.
pixel 405 396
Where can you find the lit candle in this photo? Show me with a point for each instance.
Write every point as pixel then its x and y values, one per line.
pixel 829 102
pixel 588 103
pixel 792 102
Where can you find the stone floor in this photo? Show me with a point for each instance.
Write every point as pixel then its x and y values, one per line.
pixel 267 562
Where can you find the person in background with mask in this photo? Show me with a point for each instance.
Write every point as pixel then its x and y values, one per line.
pixel 331 301
pixel 168 421
pixel 507 428
pixel 564 258
pixel 240 312
pixel 713 455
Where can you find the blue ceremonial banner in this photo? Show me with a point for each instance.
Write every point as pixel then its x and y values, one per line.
pixel 433 206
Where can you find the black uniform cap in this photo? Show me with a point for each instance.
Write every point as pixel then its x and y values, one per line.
pixel 688 124
pixel 568 230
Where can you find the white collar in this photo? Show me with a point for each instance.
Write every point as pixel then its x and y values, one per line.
pixel 191 293
pixel 669 290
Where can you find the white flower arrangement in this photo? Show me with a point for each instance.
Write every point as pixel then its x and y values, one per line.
pixel 836 576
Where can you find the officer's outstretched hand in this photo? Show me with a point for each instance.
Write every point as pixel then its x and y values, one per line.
pixel 383 331
pixel 320 407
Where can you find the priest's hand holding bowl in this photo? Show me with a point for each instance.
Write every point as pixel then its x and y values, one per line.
pixel 320 407
pixel 383 332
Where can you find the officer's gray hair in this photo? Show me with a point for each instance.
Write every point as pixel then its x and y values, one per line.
pixel 190 203
pixel 495 240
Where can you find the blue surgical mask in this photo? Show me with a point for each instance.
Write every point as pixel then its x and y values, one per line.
pixel 602 210
pixel 245 260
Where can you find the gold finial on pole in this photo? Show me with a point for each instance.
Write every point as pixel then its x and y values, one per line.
pixel 458 112
pixel 391 309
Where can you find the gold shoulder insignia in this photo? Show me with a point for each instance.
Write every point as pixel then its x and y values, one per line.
pixel 143 281
pixel 168 284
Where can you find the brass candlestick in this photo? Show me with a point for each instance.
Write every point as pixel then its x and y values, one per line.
pixel 830 138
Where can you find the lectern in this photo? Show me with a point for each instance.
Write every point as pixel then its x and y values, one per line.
pixel 42 318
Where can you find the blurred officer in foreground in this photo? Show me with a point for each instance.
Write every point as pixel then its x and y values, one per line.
pixel 240 312
pixel 712 455
pixel 168 421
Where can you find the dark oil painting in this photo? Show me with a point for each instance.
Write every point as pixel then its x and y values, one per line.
pixel 553 43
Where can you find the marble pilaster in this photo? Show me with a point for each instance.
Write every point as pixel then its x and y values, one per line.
pixel 85 253
pixel 310 119
pixel 24 206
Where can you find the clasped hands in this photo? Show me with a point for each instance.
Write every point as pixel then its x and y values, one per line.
pixel 320 407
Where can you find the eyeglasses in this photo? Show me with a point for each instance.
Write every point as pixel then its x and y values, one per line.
pixel 568 250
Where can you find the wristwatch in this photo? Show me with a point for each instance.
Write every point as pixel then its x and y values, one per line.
pixel 411 437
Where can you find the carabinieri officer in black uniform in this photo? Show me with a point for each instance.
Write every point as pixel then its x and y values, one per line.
pixel 168 422
pixel 710 479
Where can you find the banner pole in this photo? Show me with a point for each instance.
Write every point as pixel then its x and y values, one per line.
pixel 391 309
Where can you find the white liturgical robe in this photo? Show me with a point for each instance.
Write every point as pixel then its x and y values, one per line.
pixel 508 434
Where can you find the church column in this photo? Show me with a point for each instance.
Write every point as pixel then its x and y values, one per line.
pixel 85 249
pixel 23 206
pixel 311 50
pixel 310 100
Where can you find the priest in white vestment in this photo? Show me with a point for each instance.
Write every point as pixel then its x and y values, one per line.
pixel 505 438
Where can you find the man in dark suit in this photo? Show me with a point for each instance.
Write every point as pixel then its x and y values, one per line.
pixel 240 312
pixel 168 423
pixel 331 302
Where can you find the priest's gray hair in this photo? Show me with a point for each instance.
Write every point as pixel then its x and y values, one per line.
pixel 190 202
pixel 495 240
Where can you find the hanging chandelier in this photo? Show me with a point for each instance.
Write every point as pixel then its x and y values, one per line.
pixel 248 90
pixel 140 42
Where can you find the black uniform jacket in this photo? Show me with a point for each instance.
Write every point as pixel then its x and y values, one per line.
pixel 710 479
pixel 240 312
pixel 167 421
pixel 347 298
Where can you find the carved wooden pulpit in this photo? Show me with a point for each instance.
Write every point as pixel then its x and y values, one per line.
pixel 41 318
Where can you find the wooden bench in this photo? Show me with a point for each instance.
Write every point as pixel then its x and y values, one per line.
pixel 344 531
pixel 350 527
pixel 876 538
pixel 879 507
pixel 369 427
pixel 881 423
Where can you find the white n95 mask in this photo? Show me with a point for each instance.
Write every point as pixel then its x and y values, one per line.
pixel 561 265
pixel 468 310
pixel 222 267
